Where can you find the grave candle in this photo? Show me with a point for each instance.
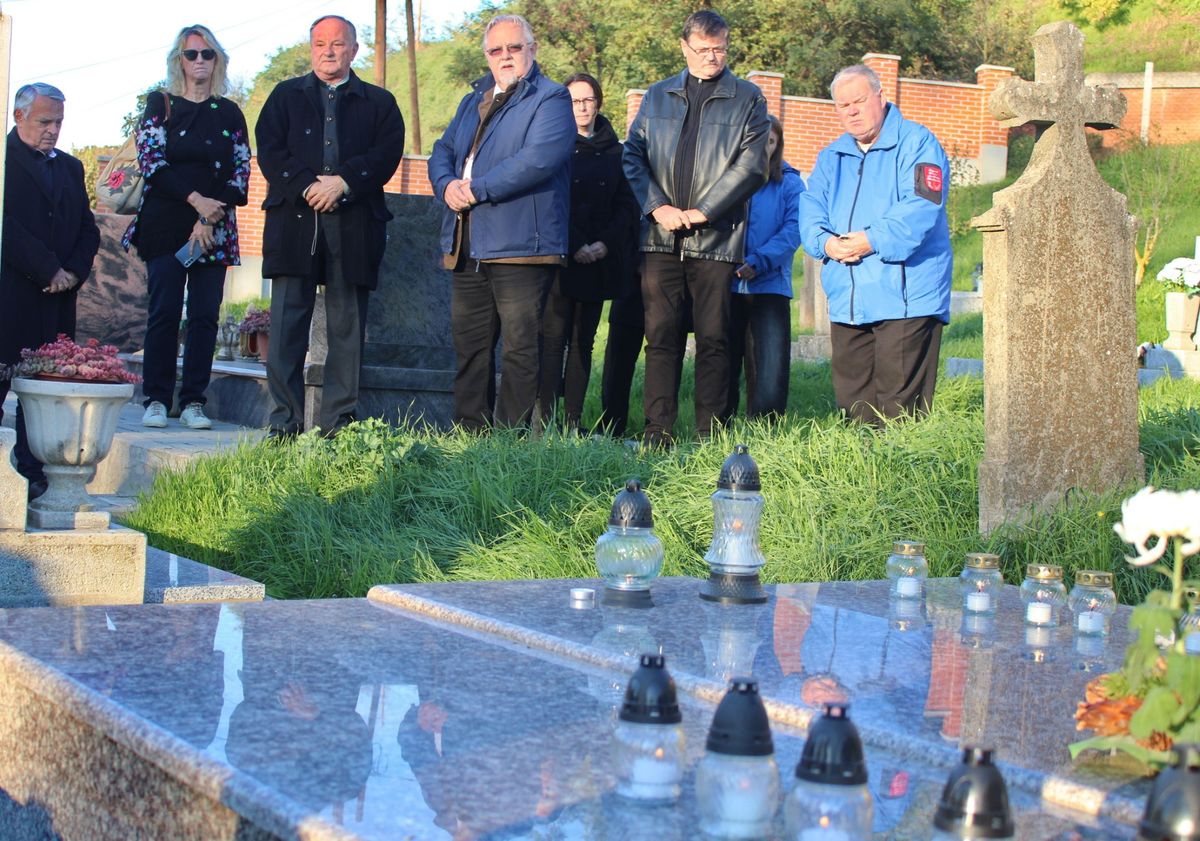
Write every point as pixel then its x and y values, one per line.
pixel 907 569
pixel 908 586
pixel 1093 602
pixel 978 602
pixel 981 581
pixel 654 778
pixel 1038 613
pixel 648 741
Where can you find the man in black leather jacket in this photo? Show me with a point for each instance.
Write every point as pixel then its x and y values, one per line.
pixel 695 154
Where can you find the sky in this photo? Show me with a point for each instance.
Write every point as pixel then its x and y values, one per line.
pixel 102 55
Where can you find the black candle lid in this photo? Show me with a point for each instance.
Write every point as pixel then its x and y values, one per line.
pixel 974 802
pixel 1173 807
pixel 650 695
pixel 740 726
pixel 833 752
pixel 631 508
pixel 739 472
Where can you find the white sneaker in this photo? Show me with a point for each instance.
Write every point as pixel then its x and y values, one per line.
pixel 155 416
pixel 193 417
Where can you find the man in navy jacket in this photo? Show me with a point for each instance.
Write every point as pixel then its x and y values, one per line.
pixel 327 143
pixel 875 213
pixel 50 241
pixel 503 170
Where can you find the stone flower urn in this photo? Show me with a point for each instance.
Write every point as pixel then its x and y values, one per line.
pixel 1182 312
pixel 70 425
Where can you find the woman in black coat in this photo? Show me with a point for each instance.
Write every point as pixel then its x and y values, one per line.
pixel 603 214
pixel 194 152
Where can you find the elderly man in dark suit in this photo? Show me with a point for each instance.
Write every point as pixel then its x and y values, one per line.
pixel 50 241
pixel 327 143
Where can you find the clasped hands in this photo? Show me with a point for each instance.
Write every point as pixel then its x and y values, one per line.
pixel 324 194
pixel 63 281
pixel 592 253
pixel 458 195
pixel 849 248
pixel 210 211
pixel 674 219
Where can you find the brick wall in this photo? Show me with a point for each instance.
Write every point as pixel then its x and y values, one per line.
pixel 956 112
pixel 1174 106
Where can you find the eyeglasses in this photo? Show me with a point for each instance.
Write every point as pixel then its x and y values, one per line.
pixel 514 49
pixel 192 55
pixel 708 52
pixel 586 102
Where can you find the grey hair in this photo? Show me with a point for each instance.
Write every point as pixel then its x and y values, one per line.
pixel 856 70
pixel 175 81
pixel 526 29
pixel 349 26
pixel 23 101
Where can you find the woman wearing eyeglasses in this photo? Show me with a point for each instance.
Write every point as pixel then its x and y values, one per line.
pixel 600 237
pixel 194 152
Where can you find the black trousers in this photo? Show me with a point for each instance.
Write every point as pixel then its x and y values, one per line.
pixel 27 465
pixel 166 279
pixel 887 369
pixel 760 335
pixel 498 299
pixel 292 301
pixel 568 335
pixel 667 281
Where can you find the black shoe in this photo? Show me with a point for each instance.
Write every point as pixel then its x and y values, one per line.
pixel 37 488
pixel 281 436
pixel 657 439
pixel 341 423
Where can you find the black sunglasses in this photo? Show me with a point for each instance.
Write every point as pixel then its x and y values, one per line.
pixel 207 55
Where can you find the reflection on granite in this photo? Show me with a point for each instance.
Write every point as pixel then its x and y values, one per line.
pixel 922 680
pixel 172 578
pixel 349 719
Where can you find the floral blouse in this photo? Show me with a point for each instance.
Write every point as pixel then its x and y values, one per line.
pixel 200 146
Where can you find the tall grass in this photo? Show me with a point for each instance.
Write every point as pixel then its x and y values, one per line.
pixel 319 519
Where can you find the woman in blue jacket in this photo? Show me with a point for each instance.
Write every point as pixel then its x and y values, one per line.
pixel 760 310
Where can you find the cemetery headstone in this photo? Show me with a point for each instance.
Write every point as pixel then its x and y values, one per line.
pixel 112 305
pixel 1060 382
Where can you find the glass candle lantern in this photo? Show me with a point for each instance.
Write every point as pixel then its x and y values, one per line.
pixel 1043 594
pixel 1092 602
pixel 629 555
pixel 830 801
pixel 907 569
pixel 981 582
pixel 648 740
pixel 734 557
pixel 737 781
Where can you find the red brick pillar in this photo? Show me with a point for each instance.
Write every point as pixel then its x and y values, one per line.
pixel 771 84
pixel 633 101
pixel 887 68
pixel 993 137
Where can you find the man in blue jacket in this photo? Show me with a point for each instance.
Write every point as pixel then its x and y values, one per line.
pixel 503 170
pixel 875 214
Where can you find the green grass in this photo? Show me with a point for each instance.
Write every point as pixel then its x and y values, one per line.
pixel 322 519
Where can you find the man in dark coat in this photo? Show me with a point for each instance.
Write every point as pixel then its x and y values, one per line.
pixel 327 143
pixel 50 241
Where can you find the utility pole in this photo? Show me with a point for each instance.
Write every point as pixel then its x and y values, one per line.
pixel 381 43
pixel 414 107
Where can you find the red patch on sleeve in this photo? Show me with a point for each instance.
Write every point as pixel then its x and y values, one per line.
pixel 933 178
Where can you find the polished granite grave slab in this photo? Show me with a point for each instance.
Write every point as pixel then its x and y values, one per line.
pixel 922 681
pixel 348 719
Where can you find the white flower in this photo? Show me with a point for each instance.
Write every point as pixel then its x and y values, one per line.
pixel 1183 271
pixel 1162 514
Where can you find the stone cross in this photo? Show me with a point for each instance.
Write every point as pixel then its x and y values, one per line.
pixel 1060 371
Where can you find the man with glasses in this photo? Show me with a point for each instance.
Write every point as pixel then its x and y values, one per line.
pixel 327 143
pixel 502 168
pixel 696 153
pixel 875 214
pixel 50 241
